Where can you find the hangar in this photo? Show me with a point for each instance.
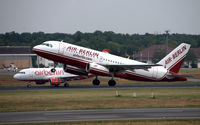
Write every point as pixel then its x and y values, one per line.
pixel 17 55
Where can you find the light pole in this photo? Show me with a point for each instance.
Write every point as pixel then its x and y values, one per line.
pixel 167 34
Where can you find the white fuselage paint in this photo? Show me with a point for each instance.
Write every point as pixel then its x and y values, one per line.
pixel 41 74
pixel 86 55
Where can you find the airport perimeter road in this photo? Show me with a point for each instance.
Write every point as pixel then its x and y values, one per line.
pixel 101 114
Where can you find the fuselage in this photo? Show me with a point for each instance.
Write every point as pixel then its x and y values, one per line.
pixel 80 56
pixel 41 74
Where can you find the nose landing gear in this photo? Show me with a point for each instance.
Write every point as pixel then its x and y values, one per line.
pixel 54 68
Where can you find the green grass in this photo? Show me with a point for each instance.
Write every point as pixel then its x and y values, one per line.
pixel 97 99
pixel 126 122
pixel 190 70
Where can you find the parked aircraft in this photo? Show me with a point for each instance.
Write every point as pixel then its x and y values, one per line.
pixel 11 67
pixel 104 64
pixel 43 75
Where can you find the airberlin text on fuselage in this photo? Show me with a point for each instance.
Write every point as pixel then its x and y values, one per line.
pixel 83 51
pixel 175 55
pixel 48 73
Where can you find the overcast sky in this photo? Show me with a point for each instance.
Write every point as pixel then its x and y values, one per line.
pixel 120 16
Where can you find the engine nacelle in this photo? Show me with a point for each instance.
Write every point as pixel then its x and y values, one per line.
pixel 97 69
pixel 56 81
pixel 74 70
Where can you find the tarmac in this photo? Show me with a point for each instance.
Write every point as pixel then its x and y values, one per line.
pixel 99 114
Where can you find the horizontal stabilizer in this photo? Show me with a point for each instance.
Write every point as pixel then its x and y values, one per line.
pixel 177 76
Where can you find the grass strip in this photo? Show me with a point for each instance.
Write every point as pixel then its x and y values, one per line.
pixel 43 100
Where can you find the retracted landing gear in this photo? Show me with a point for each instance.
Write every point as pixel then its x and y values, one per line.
pixel 96 82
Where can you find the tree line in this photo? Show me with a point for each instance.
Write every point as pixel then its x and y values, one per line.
pixel 118 43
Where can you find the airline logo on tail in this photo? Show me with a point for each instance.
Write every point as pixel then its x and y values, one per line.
pixel 175 55
pixel 174 59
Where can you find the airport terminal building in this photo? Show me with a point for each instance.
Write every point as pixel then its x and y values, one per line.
pixel 20 56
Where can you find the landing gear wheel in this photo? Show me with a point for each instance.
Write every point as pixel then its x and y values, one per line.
pixel 111 82
pixel 28 86
pixel 66 85
pixel 96 82
pixel 53 70
pixel 57 85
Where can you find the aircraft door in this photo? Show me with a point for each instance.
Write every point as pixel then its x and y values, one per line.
pixel 31 73
pixel 61 48
pixel 155 72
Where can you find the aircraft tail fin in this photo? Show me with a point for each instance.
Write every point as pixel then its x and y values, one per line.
pixel 175 58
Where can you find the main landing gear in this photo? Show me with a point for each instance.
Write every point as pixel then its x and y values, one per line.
pixel 96 82
pixel 66 85
pixel 111 82
pixel 28 85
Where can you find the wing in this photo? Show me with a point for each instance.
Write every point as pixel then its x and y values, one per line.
pixel 74 77
pixel 81 77
pixel 120 68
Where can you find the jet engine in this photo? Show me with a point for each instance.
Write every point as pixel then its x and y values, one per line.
pixel 74 70
pixel 56 81
pixel 97 69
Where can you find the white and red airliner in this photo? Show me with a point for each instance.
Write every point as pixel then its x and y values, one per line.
pixel 104 64
pixel 43 75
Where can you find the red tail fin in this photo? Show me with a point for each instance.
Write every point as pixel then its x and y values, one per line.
pixel 174 59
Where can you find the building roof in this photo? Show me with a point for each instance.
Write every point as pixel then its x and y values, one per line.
pixel 149 52
pixel 196 52
pixel 15 50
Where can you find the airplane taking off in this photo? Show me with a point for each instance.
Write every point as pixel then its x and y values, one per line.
pixel 43 75
pixel 104 64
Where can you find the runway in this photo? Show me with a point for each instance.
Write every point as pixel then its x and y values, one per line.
pixel 100 114
pixel 83 87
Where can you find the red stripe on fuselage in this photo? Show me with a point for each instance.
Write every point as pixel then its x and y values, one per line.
pixel 62 58
pixel 82 63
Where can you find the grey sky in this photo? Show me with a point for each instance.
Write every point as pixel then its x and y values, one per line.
pixel 121 16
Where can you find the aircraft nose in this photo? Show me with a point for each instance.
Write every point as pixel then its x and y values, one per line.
pixel 15 77
pixel 36 48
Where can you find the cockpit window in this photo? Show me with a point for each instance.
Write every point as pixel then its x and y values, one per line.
pixel 47 44
pixel 21 73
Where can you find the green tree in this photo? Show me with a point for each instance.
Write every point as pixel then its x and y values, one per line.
pixel 158 55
